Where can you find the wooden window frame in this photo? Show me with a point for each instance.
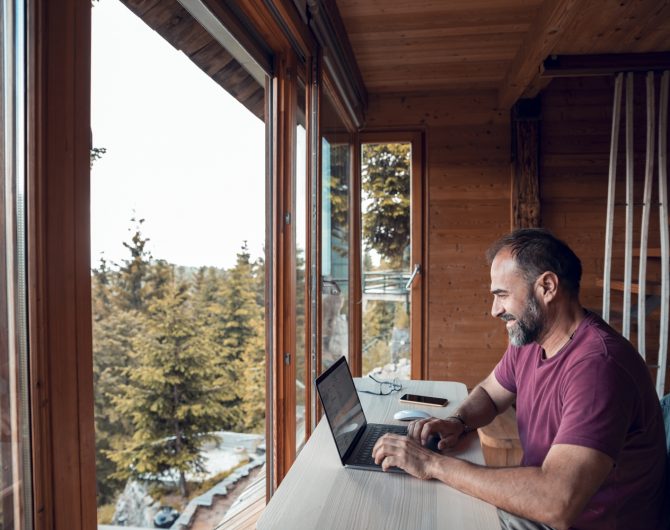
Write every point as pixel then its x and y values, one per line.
pixel 58 211
pixel 58 235
pixel 284 319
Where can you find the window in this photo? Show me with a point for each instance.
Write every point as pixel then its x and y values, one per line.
pixel 178 279
pixel 336 170
pixel 386 263
pixel 392 254
pixel 15 447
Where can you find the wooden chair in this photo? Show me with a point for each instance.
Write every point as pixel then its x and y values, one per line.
pixel 500 440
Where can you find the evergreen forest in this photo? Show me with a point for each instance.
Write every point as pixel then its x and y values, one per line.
pixel 179 353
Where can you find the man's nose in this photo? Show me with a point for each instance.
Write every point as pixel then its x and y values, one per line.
pixel 497 309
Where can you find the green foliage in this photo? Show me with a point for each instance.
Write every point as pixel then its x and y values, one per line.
pixel 113 337
pixel 96 154
pixel 385 191
pixel 134 272
pixel 178 354
pixel 338 195
pixel 171 397
pixel 378 321
pixel 106 513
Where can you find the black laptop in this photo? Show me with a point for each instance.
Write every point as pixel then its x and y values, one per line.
pixel 353 435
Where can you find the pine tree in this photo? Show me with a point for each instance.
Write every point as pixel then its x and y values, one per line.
pixel 113 337
pixel 101 290
pixel 114 330
pixel 208 301
pixel 254 359
pixel 133 273
pixel 239 329
pixel 171 397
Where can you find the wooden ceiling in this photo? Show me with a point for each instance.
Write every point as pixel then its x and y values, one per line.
pixel 416 45
pixel 179 28
pixel 431 45
pixel 410 46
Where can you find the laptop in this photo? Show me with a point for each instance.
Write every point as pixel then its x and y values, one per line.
pixel 353 435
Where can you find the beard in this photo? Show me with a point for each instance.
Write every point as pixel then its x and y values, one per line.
pixel 528 326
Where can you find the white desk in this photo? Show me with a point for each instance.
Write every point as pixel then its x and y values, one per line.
pixel 318 493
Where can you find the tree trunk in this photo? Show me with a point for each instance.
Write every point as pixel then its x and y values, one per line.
pixel 177 433
pixel 182 485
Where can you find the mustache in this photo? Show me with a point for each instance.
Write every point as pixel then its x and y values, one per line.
pixel 507 317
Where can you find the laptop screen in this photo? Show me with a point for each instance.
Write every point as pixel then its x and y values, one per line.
pixel 341 404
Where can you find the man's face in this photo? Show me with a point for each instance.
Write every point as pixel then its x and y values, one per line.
pixel 514 301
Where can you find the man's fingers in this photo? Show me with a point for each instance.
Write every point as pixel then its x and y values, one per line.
pixel 388 462
pixel 429 429
pixel 415 428
pixel 447 442
pixel 388 440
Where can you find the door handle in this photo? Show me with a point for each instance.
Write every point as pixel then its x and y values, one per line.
pixel 417 270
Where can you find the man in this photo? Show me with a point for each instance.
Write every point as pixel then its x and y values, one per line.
pixel 589 419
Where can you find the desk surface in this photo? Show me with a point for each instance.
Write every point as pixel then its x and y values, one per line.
pixel 318 493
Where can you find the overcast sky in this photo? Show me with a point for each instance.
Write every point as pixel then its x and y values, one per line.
pixel 181 152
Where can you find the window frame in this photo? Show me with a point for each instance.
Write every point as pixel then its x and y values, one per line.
pixel 58 235
pixel 58 239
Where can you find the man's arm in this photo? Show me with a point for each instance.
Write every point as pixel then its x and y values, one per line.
pixel 488 399
pixel 554 494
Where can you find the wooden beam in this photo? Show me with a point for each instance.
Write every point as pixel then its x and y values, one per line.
pixel 338 57
pixel 545 31
pixel 604 64
pixel 525 196
pixel 59 265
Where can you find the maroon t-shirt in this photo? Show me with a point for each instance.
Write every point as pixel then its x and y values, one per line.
pixel 597 393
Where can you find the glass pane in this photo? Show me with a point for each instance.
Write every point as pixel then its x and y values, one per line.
pixel 178 275
pixel 386 256
pixel 301 276
pixel 335 186
pixel 15 461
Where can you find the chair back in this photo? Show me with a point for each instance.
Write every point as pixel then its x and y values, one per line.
pixel 665 407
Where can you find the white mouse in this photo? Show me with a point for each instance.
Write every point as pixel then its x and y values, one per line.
pixel 409 415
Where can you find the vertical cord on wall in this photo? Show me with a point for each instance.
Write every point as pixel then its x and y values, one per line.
pixel 614 146
pixel 665 236
pixel 646 209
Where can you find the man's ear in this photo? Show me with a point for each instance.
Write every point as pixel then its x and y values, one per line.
pixel 548 285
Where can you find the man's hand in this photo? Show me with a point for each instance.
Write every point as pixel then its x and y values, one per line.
pixel 405 453
pixel 448 430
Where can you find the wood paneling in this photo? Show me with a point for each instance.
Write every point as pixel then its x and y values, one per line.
pixel 468 187
pixel 553 17
pixel 632 26
pixel 435 45
pixel 431 45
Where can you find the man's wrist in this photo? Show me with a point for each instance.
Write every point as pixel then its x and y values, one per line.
pixel 458 417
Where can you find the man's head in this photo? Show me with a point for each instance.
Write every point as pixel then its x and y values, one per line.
pixel 530 269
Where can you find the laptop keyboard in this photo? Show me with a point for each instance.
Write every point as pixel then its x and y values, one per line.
pixel 363 454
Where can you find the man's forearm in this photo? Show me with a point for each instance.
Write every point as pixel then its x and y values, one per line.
pixel 525 491
pixel 478 409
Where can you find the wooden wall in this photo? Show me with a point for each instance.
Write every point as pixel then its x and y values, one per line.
pixel 468 172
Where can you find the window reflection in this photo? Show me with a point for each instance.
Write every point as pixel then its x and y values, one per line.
pixel 300 261
pixel 15 450
pixel 335 190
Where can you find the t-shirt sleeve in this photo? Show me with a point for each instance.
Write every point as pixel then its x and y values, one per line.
pixel 505 372
pixel 597 406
